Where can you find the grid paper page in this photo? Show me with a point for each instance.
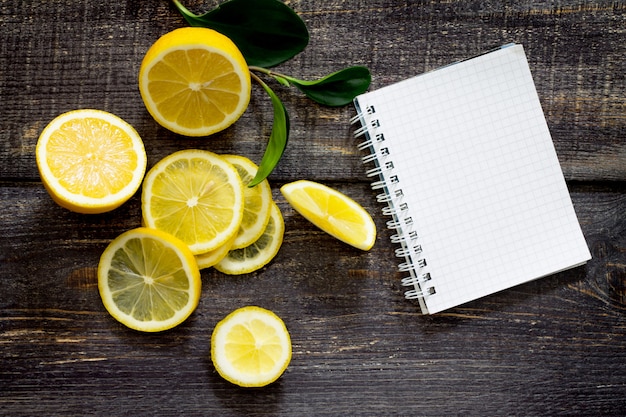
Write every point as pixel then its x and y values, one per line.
pixel 474 157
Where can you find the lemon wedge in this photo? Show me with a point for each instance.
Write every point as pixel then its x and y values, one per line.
pixel 332 211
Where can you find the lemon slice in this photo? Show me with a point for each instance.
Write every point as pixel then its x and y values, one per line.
pixel 90 161
pixel 148 280
pixel 333 212
pixel 196 196
pixel 257 201
pixel 251 347
pixel 210 258
pixel 258 254
pixel 194 81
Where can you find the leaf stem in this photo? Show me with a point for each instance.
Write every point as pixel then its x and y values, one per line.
pixel 187 14
pixel 266 71
pixel 281 78
pixel 336 89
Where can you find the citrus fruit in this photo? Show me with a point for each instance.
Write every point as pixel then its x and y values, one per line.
pixel 251 347
pixel 148 280
pixel 257 201
pixel 196 196
pixel 210 258
pixel 90 161
pixel 194 81
pixel 332 211
pixel 259 253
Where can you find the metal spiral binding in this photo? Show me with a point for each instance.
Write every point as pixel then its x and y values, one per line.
pixel 377 185
pixel 378 170
pixel 395 211
pixel 419 281
pixel 369 158
pixel 356 118
pixel 389 196
pixel 397 223
pixel 415 294
pixel 412 280
pixel 410 266
pixel 406 266
pixel 393 224
pixel 404 237
pixel 384 198
pixel 392 196
pixel 360 131
pixel 403 252
pixel 370 141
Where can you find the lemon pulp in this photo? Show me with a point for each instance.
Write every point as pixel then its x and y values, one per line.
pixel 196 196
pixel 148 280
pixel 332 211
pixel 90 161
pixel 258 254
pixel 251 347
pixel 194 81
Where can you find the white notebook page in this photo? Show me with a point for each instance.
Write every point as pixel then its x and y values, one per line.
pixel 471 148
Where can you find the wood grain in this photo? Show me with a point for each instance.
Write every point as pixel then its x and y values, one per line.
pixel 556 346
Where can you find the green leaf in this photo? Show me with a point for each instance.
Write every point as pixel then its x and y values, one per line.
pixel 336 89
pixel 278 138
pixel 267 32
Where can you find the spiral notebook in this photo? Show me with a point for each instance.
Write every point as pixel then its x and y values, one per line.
pixel 467 171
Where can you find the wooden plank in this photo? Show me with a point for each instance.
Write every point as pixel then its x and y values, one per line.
pixel 551 346
pixel 58 57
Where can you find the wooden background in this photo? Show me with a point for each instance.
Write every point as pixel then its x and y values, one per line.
pixel 556 346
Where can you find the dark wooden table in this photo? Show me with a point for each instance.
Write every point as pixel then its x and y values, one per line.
pixel 556 346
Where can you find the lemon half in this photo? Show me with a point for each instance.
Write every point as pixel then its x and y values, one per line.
pixel 194 81
pixel 90 161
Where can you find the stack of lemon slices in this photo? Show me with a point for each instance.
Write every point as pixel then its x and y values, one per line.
pixel 202 198
pixel 198 212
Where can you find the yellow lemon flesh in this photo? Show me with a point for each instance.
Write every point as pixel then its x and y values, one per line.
pixel 210 258
pixel 194 81
pixel 148 280
pixel 251 347
pixel 332 211
pixel 196 196
pixel 90 161
pixel 257 202
pixel 258 254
